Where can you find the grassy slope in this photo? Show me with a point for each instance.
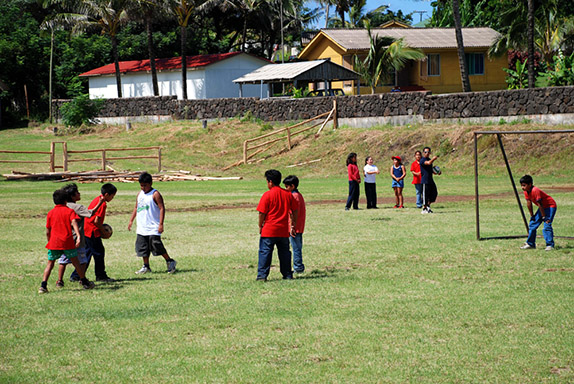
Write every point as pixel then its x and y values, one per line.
pixel 375 306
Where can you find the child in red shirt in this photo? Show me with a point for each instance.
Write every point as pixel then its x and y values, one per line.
pixel 416 171
pixel 59 224
pixel 545 214
pixel 275 208
pixel 292 184
pixel 354 181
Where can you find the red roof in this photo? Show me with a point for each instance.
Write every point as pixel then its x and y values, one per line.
pixel 161 64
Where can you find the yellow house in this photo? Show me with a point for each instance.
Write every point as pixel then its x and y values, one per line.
pixel 438 73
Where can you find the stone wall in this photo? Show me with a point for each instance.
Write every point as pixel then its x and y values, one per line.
pixel 539 101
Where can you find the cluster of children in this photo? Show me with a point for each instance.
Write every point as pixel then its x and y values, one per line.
pixel 75 232
pixel 421 169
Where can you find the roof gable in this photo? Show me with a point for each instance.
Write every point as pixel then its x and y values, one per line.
pixel 172 63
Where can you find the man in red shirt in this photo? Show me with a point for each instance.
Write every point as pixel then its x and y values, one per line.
pixel 59 224
pixel 545 214
pixel 274 209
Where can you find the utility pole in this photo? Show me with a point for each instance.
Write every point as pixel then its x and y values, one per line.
pixel 420 14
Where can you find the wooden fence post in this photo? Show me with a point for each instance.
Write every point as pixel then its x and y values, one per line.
pixel 52 154
pixel 288 138
pixel 103 159
pixel 335 117
pixel 245 152
pixel 159 159
pixel 65 156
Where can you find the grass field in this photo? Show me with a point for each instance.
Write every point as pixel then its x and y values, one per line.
pixel 389 295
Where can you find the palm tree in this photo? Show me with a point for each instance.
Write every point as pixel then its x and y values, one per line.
pixel 342 6
pixel 460 46
pixel 385 54
pixel 105 15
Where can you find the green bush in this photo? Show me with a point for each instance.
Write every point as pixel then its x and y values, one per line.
pixel 559 74
pixel 81 110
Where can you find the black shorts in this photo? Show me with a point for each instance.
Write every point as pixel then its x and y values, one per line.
pixel 147 244
pixel 430 193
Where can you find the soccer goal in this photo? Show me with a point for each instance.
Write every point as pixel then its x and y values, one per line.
pixel 499 135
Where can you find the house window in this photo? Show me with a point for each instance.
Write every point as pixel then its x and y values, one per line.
pixel 475 63
pixel 431 67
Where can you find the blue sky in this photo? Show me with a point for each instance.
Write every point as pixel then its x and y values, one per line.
pixel 407 6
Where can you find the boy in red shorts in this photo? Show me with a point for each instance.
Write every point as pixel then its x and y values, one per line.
pixel 274 210
pixel 59 224
pixel 545 214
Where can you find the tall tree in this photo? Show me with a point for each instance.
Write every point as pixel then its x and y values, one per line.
pixel 460 46
pixel 530 32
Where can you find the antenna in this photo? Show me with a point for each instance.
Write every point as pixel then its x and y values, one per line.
pixel 420 14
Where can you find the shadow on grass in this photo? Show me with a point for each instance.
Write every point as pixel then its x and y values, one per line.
pixel 381 219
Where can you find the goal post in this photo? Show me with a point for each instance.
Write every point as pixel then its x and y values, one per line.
pixel 509 171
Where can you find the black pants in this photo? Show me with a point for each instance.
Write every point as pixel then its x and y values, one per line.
pixel 353 195
pixel 371 192
pixel 430 193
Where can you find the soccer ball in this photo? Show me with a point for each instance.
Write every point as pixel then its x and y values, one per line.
pixel 108 228
pixel 436 170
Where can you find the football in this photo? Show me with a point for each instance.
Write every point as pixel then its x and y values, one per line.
pixel 436 170
pixel 108 228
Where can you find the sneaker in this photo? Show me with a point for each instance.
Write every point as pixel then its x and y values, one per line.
pixel 429 210
pixel 288 277
pixel 59 284
pixel 299 272
pixel 105 279
pixel 527 246
pixel 401 206
pixel 42 290
pixel 143 270
pixel 549 248
pixel 74 279
pixel 424 211
pixel 396 206
pixel 88 285
pixel 171 266
pixel 261 279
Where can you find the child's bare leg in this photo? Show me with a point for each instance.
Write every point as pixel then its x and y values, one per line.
pixel 61 270
pixel 79 268
pixel 396 196
pixel 146 260
pixel 48 270
pixel 400 196
pixel 166 257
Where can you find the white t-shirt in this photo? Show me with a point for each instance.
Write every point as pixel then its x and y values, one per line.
pixel 370 178
pixel 147 214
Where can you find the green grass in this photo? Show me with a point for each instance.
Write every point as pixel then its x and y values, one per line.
pixel 389 295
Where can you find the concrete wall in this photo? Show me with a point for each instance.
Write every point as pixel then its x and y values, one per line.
pixel 394 108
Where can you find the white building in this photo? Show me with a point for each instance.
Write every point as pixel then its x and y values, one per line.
pixel 208 76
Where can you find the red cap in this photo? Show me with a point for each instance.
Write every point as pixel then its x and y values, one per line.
pixel 398 158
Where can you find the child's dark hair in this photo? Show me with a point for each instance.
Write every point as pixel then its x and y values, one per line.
pixel 350 158
pixel 108 188
pixel 291 180
pixel 273 176
pixel 419 152
pixel 366 159
pixel 59 196
pixel 71 190
pixel 145 178
pixel 526 179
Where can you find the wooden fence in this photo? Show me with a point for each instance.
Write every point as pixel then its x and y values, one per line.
pixel 103 159
pixel 331 115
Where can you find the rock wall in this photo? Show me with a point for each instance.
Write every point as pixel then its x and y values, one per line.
pixel 539 101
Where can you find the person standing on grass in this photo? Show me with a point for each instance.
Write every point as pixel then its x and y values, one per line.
pixel 275 208
pixel 95 232
pixel 545 213
pixel 60 222
pixel 430 191
pixel 72 197
pixel 291 183
pixel 416 171
pixel 371 171
pixel 150 212
pixel 354 181
pixel 398 174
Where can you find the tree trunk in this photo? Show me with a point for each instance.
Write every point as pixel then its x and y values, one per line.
pixel 151 54
pixel 327 6
pixel 183 62
pixel 530 36
pixel 244 33
pixel 117 65
pixel 460 46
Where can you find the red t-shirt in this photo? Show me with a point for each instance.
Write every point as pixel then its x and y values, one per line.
pixel 276 204
pixel 90 229
pixel 540 197
pixel 59 222
pixel 353 171
pixel 301 213
pixel 416 167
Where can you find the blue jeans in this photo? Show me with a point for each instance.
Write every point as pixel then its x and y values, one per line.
pixel 419 188
pixel 297 245
pixel 547 231
pixel 266 245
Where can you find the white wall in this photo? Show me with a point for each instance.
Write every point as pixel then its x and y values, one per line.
pixel 213 81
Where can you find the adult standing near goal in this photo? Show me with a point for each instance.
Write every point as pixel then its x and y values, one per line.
pixel 430 191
